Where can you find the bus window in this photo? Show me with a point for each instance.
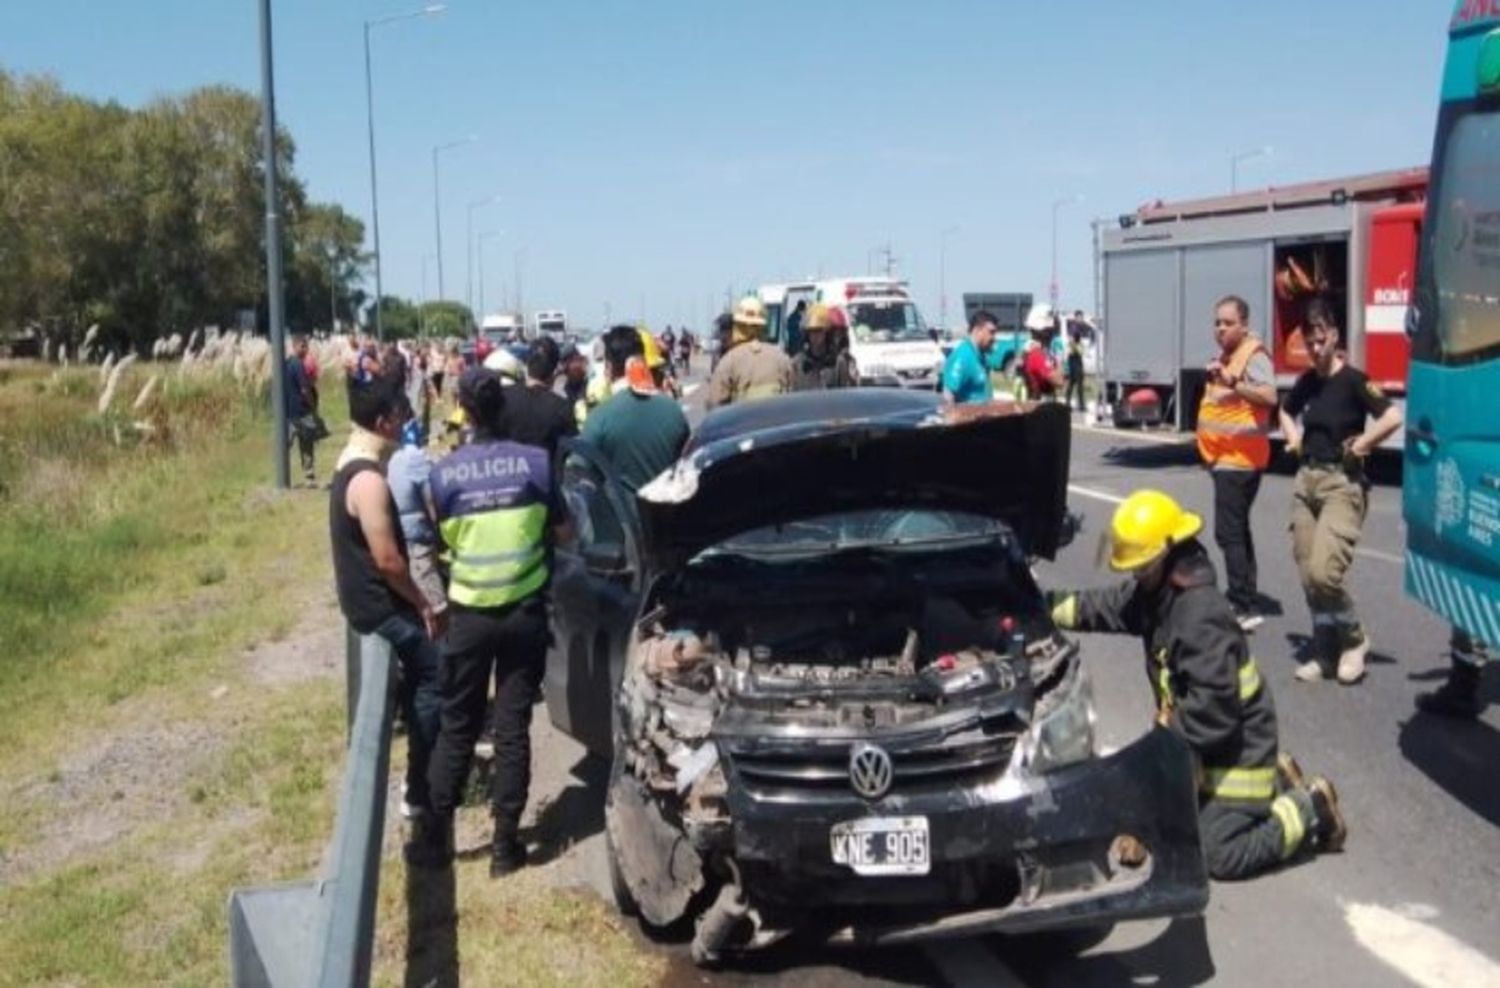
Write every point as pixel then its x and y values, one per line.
pixel 1466 242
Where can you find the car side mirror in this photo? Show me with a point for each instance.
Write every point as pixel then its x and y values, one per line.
pixel 606 557
pixel 1072 524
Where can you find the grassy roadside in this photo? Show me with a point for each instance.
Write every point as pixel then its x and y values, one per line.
pixel 147 761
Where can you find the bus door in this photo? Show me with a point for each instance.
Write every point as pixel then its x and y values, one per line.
pixel 1451 498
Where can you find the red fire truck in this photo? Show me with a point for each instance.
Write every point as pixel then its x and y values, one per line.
pixel 1352 240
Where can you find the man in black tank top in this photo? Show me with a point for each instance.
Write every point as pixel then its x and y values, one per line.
pixel 375 589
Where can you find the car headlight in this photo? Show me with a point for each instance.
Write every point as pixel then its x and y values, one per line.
pixel 1065 735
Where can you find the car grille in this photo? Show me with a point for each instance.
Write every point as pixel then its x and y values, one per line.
pixel 824 769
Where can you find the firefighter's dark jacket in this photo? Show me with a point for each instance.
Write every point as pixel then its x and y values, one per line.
pixel 1207 685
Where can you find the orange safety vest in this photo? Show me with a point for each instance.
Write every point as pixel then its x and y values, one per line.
pixel 1232 432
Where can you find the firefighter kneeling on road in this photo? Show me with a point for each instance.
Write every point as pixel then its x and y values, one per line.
pixel 1255 809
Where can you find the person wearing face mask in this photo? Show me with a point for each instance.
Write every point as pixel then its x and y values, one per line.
pixel 1335 403
pixel 372 571
pixel 1256 809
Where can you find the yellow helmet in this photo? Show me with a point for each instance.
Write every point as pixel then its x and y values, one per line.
pixel 749 311
pixel 654 359
pixel 1145 526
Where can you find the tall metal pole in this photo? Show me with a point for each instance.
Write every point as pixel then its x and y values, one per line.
pixel 435 8
pixel 437 220
pixel 280 448
pixel 1052 289
pixel 943 275
pixel 437 208
pixel 333 292
pixel 374 194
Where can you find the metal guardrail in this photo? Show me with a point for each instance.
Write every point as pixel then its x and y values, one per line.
pixel 321 932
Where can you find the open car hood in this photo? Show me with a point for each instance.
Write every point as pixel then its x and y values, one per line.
pixel 804 455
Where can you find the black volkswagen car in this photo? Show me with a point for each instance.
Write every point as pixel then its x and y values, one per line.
pixel 833 698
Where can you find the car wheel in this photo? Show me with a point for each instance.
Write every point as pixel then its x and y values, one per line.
pixel 1068 942
pixel 624 901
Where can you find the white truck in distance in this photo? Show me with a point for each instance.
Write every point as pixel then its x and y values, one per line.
pixel 553 323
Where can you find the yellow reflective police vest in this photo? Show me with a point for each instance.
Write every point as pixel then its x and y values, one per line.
pixel 492 501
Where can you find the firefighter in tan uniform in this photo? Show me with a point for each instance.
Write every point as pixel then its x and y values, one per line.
pixel 752 368
pixel 1255 808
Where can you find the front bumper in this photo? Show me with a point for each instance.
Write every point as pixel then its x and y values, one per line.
pixel 1007 854
pixel 912 380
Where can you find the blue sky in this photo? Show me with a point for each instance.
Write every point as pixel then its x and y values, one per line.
pixel 655 154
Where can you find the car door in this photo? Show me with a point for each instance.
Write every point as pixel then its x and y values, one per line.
pixel 596 592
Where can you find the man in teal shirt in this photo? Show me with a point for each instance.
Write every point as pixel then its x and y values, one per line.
pixel 966 372
pixel 640 431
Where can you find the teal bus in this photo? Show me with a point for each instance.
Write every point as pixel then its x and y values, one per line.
pixel 1451 495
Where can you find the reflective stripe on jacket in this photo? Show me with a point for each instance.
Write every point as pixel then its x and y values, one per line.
pixel 1233 432
pixel 1207 686
pixel 493 501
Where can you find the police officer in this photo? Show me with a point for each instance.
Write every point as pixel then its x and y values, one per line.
pixel 752 368
pixel 1255 809
pixel 1331 494
pixel 497 510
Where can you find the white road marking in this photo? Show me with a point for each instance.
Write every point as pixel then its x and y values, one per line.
pixel 1174 439
pixel 1104 496
pixel 1109 498
pixel 1418 950
pixel 968 962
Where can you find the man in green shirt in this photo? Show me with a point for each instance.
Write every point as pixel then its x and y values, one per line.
pixel 640 431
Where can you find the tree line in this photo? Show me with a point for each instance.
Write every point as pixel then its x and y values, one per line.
pixel 151 221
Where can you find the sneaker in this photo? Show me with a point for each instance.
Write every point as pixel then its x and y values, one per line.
pixel 1352 659
pixel 1289 771
pixel 1329 829
pixel 1248 620
pixel 507 856
pixel 1314 670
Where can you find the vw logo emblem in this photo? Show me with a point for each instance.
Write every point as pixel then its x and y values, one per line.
pixel 870 770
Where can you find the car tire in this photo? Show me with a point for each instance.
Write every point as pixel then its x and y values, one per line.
pixel 624 901
pixel 1070 942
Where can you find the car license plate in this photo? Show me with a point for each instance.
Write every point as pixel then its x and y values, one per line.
pixel 883 845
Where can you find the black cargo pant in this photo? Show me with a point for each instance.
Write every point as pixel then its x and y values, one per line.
pixel 1234 496
pixel 1244 839
pixel 510 643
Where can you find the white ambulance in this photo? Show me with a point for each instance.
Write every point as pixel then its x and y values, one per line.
pixel 890 344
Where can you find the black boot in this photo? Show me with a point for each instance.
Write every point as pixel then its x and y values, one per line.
pixel 431 844
pixel 1458 697
pixel 1329 830
pixel 507 854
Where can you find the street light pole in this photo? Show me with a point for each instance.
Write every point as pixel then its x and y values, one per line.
pixel 435 8
pixel 280 449
pixel 488 235
pixel 1052 289
pixel 943 275
pixel 1234 164
pixel 469 246
pixel 437 204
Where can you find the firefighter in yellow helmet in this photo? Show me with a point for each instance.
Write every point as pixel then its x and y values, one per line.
pixel 753 368
pixel 1255 808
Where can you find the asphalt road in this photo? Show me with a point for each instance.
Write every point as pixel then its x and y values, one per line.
pixel 1414 898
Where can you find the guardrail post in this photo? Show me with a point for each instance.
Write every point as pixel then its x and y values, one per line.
pixel 322 932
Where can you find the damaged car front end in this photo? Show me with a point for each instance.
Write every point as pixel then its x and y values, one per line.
pixel 844 712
